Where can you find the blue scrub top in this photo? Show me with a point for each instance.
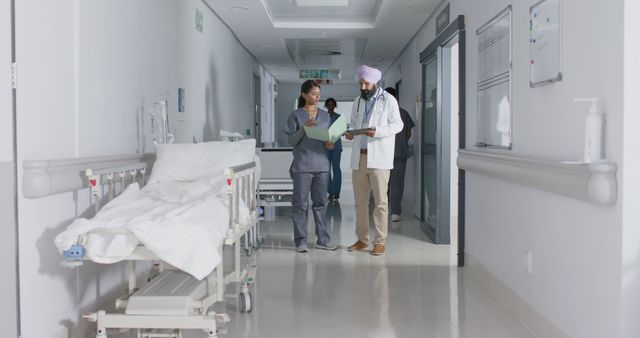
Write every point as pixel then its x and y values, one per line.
pixel 308 155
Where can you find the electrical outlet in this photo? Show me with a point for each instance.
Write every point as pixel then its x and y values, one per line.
pixel 527 260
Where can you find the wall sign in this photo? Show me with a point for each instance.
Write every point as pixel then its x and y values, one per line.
pixel 180 100
pixel 199 20
pixel 319 73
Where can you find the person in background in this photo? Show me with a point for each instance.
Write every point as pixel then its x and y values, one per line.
pixel 335 154
pixel 400 156
pixel 372 157
pixel 309 169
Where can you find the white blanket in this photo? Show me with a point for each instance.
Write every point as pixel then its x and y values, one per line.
pixel 183 223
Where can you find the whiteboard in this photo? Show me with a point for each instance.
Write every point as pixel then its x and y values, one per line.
pixel 545 42
pixel 494 81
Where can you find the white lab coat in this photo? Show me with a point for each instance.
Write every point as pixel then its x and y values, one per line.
pixel 385 117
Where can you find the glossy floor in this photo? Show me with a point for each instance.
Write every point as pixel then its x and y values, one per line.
pixel 412 291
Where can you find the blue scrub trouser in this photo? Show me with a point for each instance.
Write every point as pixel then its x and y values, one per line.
pixel 316 184
pixel 336 174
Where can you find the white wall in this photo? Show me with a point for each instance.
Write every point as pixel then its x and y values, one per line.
pixel 576 282
pixel 217 74
pixel 287 94
pixel 85 68
pixel 575 245
pixel 6 113
pixel 631 175
pixel 8 280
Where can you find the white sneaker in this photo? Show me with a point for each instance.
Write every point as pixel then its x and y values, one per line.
pixel 302 248
pixel 328 246
pixel 395 218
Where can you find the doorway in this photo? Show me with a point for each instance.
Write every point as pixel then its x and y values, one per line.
pixel 257 104
pixel 443 133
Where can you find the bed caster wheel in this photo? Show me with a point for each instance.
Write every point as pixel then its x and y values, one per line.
pixel 245 302
pixel 101 333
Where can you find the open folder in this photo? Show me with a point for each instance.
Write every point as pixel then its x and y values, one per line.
pixel 337 129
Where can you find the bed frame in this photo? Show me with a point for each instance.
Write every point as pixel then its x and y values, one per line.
pixel 198 296
pixel 275 188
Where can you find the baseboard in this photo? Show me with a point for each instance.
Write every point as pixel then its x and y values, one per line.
pixel 505 296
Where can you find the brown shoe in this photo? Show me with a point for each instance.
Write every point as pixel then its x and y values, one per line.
pixel 378 249
pixel 359 245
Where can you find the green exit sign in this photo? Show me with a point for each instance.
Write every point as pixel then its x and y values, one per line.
pixel 314 73
pixel 320 74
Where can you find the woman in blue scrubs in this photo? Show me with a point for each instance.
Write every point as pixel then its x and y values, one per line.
pixel 310 168
pixel 335 179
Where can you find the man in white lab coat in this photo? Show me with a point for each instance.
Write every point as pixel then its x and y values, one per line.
pixel 372 156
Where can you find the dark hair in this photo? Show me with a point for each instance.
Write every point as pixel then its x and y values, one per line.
pixel 305 88
pixel 331 99
pixel 392 91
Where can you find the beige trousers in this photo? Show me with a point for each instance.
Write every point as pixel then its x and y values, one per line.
pixel 367 180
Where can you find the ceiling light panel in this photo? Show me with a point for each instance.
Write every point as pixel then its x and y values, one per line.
pixel 322 3
pixel 322 12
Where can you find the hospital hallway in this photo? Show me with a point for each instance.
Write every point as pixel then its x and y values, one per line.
pixel 145 144
pixel 414 290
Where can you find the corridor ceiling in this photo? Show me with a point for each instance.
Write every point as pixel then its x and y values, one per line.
pixel 289 35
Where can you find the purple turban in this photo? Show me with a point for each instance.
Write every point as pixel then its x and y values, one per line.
pixel 369 74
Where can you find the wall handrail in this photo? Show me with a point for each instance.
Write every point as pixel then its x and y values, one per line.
pixel 48 177
pixel 592 182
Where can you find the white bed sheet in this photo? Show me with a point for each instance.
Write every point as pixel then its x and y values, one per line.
pixel 183 223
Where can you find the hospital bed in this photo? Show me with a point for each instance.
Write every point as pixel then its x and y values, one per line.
pixel 275 187
pixel 178 295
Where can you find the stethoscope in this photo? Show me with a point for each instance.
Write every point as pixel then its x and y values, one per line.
pixel 367 115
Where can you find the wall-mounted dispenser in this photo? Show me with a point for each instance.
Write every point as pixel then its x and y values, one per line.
pixel 592 132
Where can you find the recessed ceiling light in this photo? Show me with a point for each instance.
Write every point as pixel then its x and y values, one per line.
pixel 236 8
pixel 323 3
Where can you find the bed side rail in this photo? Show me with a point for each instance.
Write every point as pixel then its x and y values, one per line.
pixel 125 175
pixel 241 186
pixel 97 178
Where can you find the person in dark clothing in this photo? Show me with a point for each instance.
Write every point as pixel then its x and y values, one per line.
pixel 335 154
pixel 401 154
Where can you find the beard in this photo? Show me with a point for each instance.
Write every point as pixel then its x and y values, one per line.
pixel 366 94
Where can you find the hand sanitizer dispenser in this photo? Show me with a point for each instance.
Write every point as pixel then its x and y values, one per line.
pixel 592 132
